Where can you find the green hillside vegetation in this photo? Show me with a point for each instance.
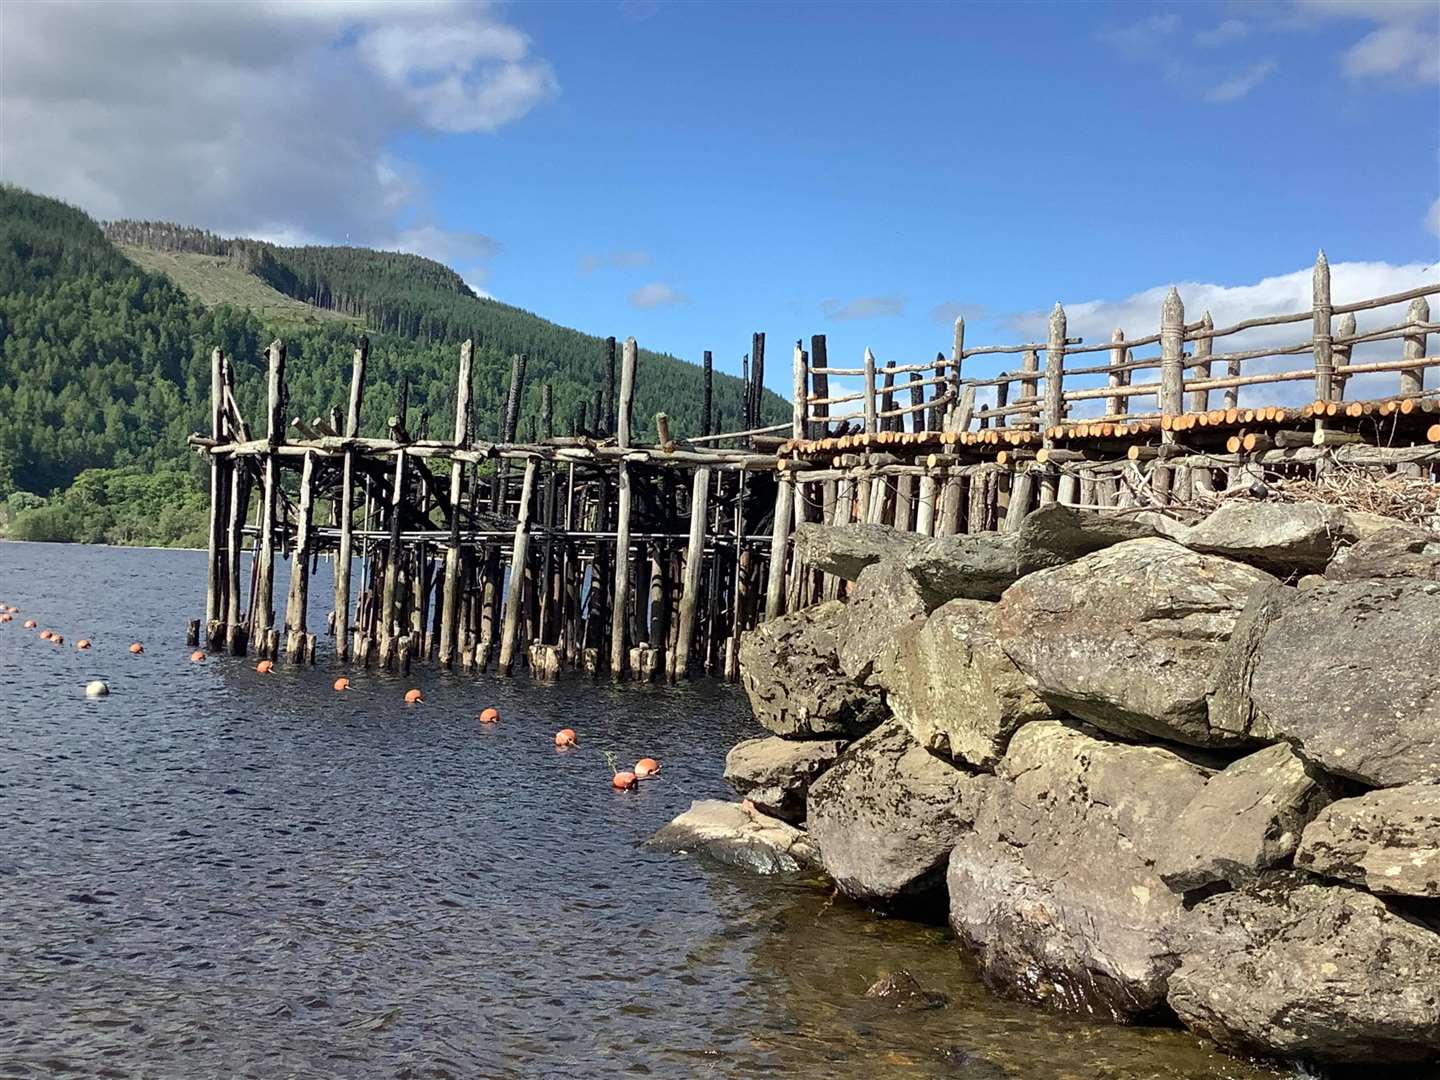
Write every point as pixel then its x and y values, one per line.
pixel 104 363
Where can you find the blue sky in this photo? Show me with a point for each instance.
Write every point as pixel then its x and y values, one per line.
pixel 688 173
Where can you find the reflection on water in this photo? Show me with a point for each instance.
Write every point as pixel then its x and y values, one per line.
pixel 214 872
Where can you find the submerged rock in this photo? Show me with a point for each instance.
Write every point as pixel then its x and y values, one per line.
pixel 1387 841
pixel 846 550
pixel 791 673
pixel 1245 820
pixel 731 834
pixel 903 991
pixel 775 773
pixel 1055 889
pixel 1281 537
pixel 955 689
pixel 1323 973
pixel 1127 637
pixel 886 814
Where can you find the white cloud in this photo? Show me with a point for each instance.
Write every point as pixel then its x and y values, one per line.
pixel 1432 218
pixel 863 307
pixel 656 294
pixel 614 260
pixel 248 118
pixel 1227 31
pixel 1236 87
pixel 1404 43
pixel 1143 36
pixel 1139 316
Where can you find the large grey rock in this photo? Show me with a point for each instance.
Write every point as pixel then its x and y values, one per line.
pixel 1245 820
pixel 846 550
pixel 953 687
pixel 775 773
pixel 731 834
pixel 1323 973
pixel 976 566
pixel 791 673
pixel 1055 889
pixel 1399 550
pixel 1347 672
pixel 886 814
pixel 1057 534
pixel 1127 637
pixel 1282 537
pixel 883 602
pixel 1387 840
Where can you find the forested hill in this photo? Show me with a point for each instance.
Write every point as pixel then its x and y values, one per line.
pixel 104 365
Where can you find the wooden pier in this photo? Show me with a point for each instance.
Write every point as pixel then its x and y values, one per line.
pixel 614 552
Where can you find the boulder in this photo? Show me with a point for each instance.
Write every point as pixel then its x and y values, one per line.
pixel 1323 973
pixel 791 673
pixel 1387 840
pixel 1282 537
pixel 775 773
pixel 846 550
pixel 902 991
pixel 1346 672
pixel 730 833
pixel 1399 550
pixel 1055 888
pixel 886 814
pixel 977 566
pixel 1245 820
pixel 1055 534
pixel 1127 637
pixel 954 689
pixel 883 602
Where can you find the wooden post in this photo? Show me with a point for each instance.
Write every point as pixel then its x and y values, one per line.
pixel 236 632
pixel 1030 388
pixel 216 553
pixel 1172 345
pixel 1117 405
pixel 1199 400
pixel 622 524
pixel 607 425
pixel 917 399
pixel 347 481
pixel 925 514
pixel 706 418
pixel 1054 398
pixel 694 563
pixel 869 392
pixel 799 403
pixel 275 434
pixel 779 537
pixel 757 382
pixel 299 596
pixel 1412 381
pixel 1345 328
pixel 820 384
pixel 957 357
pixel 509 634
pixel 388 596
pixel 450 600
pixel 517 392
pixel 887 397
pixel 1324 359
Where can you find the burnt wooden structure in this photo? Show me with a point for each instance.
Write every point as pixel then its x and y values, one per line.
pixel 608 552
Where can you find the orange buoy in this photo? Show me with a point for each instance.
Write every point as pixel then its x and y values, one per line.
pixel 46 635
pixel 197 657
pixel 56 639
pixel 83 643
pixel 136 648
pixel 623 781
pixel 264 667
pixel 490 716
pixel 7 617
pixel 646 766
pixel 30 624
pixel 414 697
pixel 566 737
pixel 342 684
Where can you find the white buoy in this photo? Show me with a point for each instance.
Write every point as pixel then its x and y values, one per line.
pixel 98 688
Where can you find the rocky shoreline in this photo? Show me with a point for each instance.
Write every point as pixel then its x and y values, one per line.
pixel 1153 773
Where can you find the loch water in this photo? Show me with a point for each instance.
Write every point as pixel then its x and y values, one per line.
pixel 213 872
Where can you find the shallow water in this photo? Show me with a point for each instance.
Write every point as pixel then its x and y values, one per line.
pixel 213 872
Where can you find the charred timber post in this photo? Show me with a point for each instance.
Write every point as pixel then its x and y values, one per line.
pixel 347 511
pixel 957 357
pixel 757 381
pixel 450 603
pixel 706 419
pixel 821 379
pixel 618 619
pixel 275 435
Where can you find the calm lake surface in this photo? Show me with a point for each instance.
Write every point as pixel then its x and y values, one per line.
pixel 217 873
